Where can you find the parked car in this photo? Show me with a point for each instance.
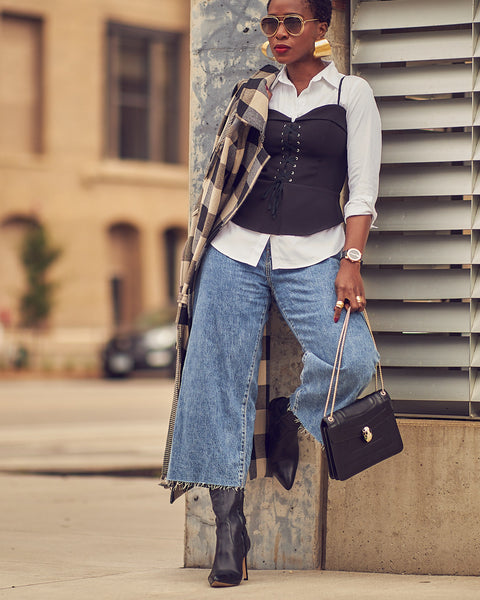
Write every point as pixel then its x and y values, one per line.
pixel 153 349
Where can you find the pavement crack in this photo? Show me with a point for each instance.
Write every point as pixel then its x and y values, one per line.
pixel 67 579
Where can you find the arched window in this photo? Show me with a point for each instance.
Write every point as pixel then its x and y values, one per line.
pixel 125 273
pixel 12 277
pixel 174 238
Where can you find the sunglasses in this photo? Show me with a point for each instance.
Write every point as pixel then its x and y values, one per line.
pixel 294 24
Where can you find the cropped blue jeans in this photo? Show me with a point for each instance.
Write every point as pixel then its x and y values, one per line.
pixel 213 434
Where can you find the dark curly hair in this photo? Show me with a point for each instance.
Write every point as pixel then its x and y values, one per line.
pixel 321 9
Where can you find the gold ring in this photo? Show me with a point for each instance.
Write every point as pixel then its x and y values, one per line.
pixel 339 304
pixel 359 299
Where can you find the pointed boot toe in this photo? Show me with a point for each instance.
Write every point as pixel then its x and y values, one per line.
pixel 285 471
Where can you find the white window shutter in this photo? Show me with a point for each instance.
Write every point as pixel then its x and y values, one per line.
pixel 422 59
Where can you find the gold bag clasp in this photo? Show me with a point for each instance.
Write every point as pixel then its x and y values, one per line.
pixel 367 434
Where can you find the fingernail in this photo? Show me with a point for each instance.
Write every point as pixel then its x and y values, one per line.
pixel 335 319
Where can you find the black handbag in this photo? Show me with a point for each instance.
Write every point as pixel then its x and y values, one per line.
pixel 362 434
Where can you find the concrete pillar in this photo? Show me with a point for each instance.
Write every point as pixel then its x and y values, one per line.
pixel 225 47
pixel 287 528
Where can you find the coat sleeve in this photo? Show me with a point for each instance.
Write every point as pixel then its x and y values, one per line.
pixel 223 128
pixel 229 115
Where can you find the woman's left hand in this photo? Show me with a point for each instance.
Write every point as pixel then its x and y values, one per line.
pixel 349 286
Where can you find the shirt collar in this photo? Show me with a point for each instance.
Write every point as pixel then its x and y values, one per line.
pixel 329 73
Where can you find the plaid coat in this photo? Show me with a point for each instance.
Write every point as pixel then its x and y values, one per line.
pixel 237 159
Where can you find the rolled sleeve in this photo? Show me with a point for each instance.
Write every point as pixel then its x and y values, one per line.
pixel 364 147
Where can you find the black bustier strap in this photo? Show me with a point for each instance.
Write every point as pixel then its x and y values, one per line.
pixel 340 89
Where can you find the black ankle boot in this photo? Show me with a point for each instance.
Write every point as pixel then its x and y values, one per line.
pixel 282 442
pixel 233 543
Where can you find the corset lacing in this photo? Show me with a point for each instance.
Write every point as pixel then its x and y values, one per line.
pixel 290 146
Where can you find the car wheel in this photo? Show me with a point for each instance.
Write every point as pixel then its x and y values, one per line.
pixel 118 365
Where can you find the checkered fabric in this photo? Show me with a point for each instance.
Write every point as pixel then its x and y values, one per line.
pixel 258 464
pixel 238 157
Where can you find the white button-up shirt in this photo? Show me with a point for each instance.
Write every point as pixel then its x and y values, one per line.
pixel 363 155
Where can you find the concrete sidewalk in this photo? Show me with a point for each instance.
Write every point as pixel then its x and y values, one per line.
pixel 79 538
pixel 83 426
pixel 118 538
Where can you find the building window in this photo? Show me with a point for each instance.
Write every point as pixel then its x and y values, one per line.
pixel 174 240
pixel 143 84
pixel 12 273
pixel 125 273
pixel 20 83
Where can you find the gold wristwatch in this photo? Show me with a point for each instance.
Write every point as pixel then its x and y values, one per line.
pixel 352 254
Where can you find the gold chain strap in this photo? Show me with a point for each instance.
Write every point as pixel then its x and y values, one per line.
pixel 338 362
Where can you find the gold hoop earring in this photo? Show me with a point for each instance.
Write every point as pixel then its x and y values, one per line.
pixel 322 48
pixel 264 48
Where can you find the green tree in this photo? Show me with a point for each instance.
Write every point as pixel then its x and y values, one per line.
pixel 37 254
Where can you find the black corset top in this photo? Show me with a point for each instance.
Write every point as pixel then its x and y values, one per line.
pixel 298 190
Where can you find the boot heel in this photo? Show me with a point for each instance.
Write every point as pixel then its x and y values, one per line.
pixel 245 570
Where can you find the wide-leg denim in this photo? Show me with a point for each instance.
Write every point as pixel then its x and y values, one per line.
pixel 213 434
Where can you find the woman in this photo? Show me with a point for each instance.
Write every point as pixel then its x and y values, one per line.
pixel 269 226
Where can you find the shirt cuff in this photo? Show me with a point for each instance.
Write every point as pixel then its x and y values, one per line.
pixel 360 206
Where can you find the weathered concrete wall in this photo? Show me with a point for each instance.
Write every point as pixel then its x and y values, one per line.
pixel 414 513
pixel 225 47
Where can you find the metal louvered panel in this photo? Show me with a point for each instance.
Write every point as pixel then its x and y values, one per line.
pixel 401 47
pixel 411 13
pixel 476 87
pixel 476 391
pixel 422 263
pixel 476 289
pixel 476 221
pixel 426 181
pixel 398 249
pixel 425 114
pixel 476 357
pixel 476 187
pixel 441 79
pixel 427 147
pixel 423 214
pixel 423 350
pixel 476 256
pixel 394 284
pixel 476 322
pixel 427 385
pixel 422 317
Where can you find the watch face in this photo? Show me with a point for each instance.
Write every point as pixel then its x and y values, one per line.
pixel 354 254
